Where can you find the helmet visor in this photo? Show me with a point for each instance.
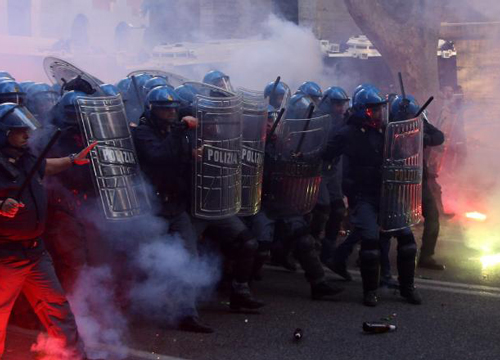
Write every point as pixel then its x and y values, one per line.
pixel 14 97
pixel 20 117
pixel 378 114
pixel 224 83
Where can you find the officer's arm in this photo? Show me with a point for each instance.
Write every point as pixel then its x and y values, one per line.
pixel 57 165
pixel 432 135
pixel 336 145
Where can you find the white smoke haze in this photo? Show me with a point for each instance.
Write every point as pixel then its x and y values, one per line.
pixel 172 279
pixel 283 49
pixel 98 316
pixel 475 187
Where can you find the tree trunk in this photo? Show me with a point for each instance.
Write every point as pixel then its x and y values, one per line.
pixel 406 34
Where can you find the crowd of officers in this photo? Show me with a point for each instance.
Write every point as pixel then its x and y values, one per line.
pixel 161 127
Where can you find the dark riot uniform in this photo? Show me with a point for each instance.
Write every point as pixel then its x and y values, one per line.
pixel 295 233
pixel 25 265
pixel 432 137
pixel 330 209
pixel 164 159
pixel 362 147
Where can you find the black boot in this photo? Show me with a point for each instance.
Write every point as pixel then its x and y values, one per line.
pixel 370 272
pixel 324 289
pixel 193 324
pixel 411 295
pixel 260 259
pixel 407 252
pixel 244 300
pixel 370 298
pixel 428 262
pixel 340 270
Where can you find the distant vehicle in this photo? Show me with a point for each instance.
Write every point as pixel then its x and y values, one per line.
pixel 359 47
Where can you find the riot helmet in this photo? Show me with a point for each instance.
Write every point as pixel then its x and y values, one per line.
pixel 109 89
pixel 403 108
pixel 6 75
pixel 153 83
pixel 40 99
pixel 11 92
pixel 162 107
pixel 275 93
pixel 123 86
pixel 298 106
pixel 67 109
pixel 14 116
pixel 187 95
pixel 219 79
pixel 370 106
pixel 25 85
pixel 335 101
pixel 312 90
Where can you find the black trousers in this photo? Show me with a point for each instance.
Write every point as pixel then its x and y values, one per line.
pixel 431 225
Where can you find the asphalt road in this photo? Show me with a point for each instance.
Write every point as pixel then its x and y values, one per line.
pixel 458 320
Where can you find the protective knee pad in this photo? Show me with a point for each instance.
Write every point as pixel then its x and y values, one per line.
pixel 369 253
pixel 245 245
pixel 321 211
pixel 304 231
pixel 305 244
pixel 407 250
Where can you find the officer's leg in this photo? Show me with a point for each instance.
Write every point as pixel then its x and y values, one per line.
pixel 364 219
pixel 243 250
pixel 431 230
pixel 282 249
pixel 13 270
pixel 66 242
pixel 181 225
pixel 407 253
pixel 321 211
pixel 337 211
pixel 188 314
pixel 45 294
pixel 263 229
pixel 385 248
pixel 345 249
pixel 305 252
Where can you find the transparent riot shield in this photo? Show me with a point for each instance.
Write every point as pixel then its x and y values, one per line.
pixel 293 168
pixel 401 200
pixel 252 155
pixel 60 72
pixel 115 169
pixel 173 79
pixel 217 167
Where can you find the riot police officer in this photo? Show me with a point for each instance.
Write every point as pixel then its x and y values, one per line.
pixel 276 212
pixel 404 108
pixel 164 152
pixel 24 264
pixel 69 194
pixel 330 209
pixel 361 141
